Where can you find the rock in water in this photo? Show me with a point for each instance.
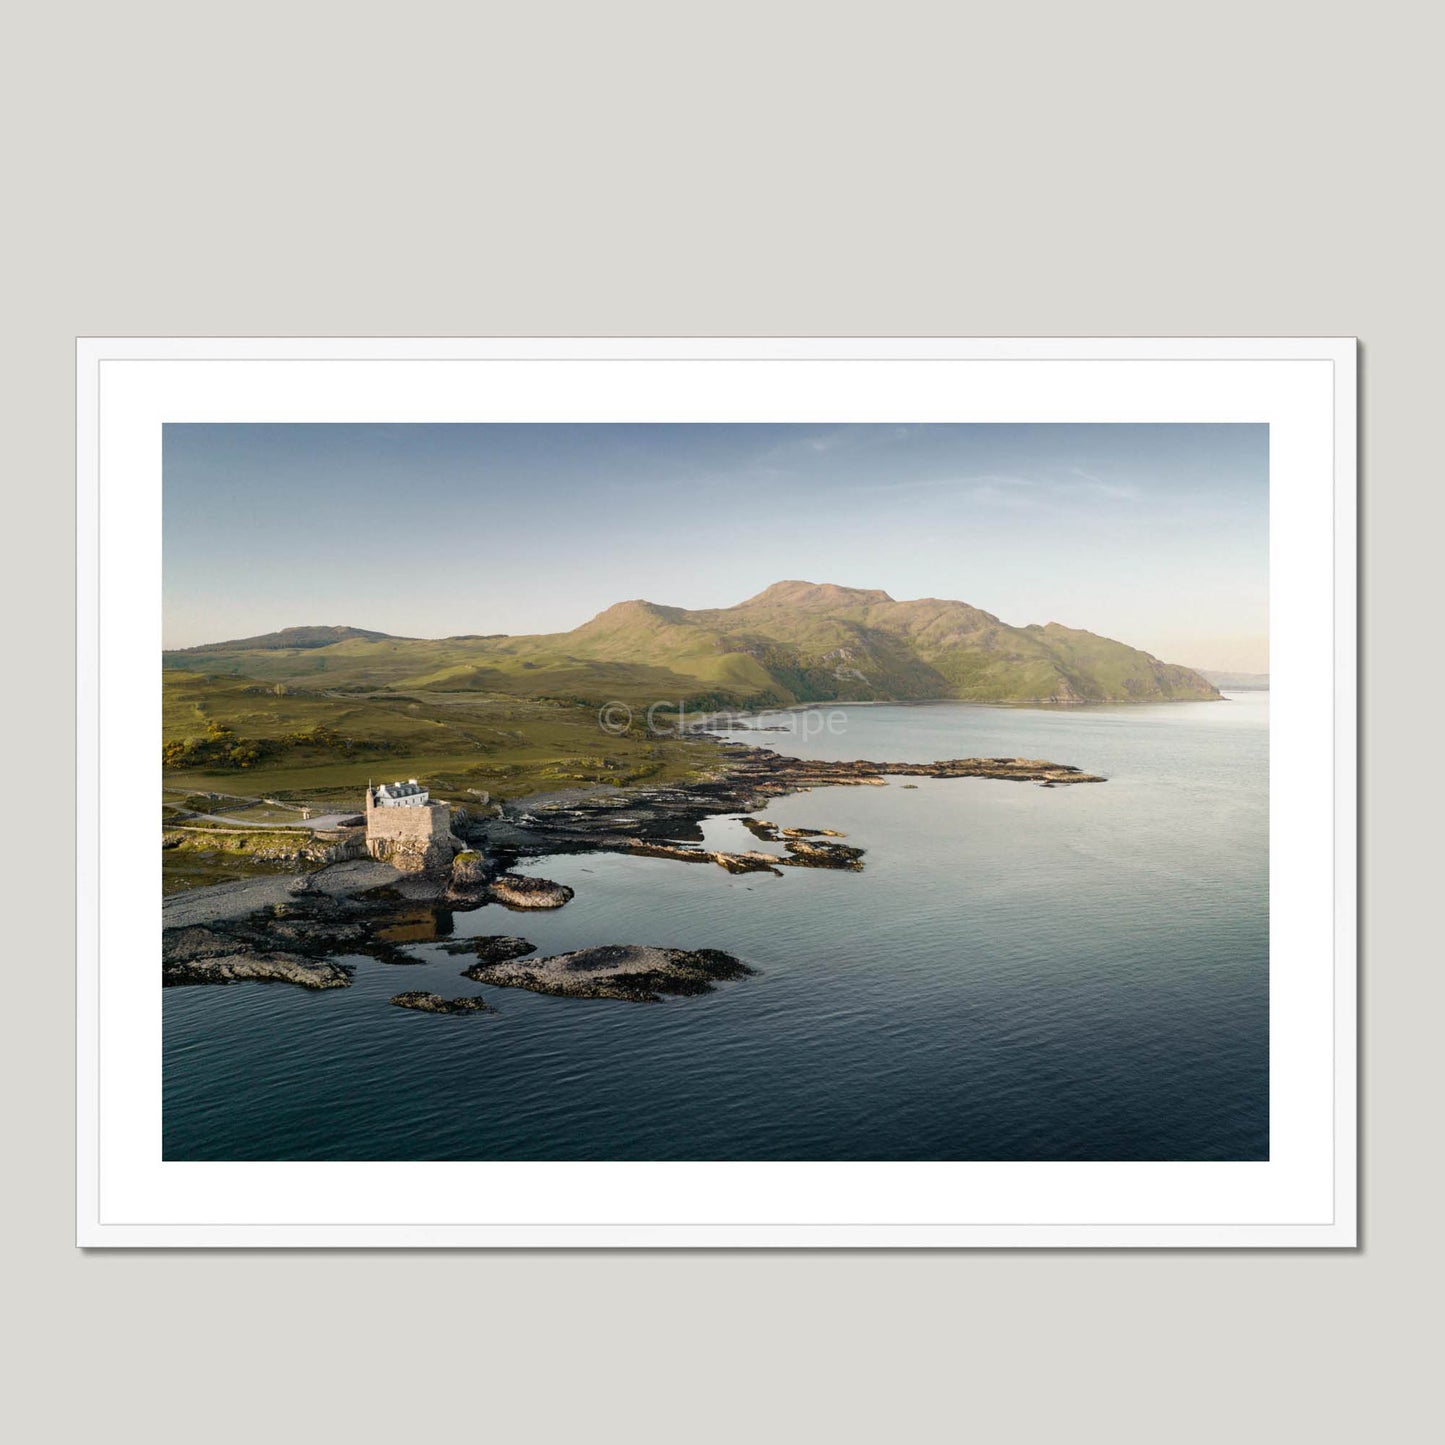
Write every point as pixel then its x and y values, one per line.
pixel 266 967
pixel 434 1003
pixel 492 947
pixel 809 853
pixel 497 948
pixel 517 890
pixel 634 972
pixel 760 828
pixel 751 862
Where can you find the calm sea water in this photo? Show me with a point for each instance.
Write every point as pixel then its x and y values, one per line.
pixel 1018 973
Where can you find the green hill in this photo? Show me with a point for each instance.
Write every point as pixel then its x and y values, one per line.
pixel 794 642
pixel 289 638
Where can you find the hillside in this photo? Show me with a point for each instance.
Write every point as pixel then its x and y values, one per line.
pixel 794 642
pixel 292 638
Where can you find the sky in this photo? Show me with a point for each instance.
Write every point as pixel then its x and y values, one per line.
pixel 1156 535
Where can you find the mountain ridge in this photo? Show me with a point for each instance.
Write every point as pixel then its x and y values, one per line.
pixel 294 637
pixel 793 642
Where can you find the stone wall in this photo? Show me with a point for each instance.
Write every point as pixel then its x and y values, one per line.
pixel 412 839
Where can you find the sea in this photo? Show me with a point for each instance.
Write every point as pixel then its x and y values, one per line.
pixel 1017 973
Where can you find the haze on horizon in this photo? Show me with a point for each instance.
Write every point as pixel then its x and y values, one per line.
pixel 1156 535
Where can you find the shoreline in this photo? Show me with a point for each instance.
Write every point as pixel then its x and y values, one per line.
pixel 748 778
pixel 706 722
pixel 294 928
pixel 221 902
pixel 600 818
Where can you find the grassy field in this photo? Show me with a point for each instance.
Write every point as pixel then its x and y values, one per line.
pixel 320 749
pixel 246 741
pixel 523 667
pixel 183 868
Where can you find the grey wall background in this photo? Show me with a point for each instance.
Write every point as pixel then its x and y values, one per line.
pixel 749 169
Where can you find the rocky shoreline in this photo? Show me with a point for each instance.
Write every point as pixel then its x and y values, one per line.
pixel 661 821
pixel 293 931
pixel 293 942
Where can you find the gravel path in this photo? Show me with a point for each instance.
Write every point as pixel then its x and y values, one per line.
pixel 321 820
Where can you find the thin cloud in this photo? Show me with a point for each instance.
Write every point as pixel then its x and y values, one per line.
pixel 1115 491
pixel 987 484
pixel 1012 490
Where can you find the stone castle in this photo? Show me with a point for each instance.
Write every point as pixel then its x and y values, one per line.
pixel 409 831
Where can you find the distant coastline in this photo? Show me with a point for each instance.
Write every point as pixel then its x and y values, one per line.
pixel 1237 681
pixel 710 722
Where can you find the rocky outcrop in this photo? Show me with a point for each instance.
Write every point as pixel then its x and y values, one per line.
pixel 772 833
pixel 432 859
pixel 494 948
pixel 467 880
pixel 774 773
pixel 1013 770
pixel 293 942
pixel 809 853
pixel 517 890
pixel 263 967
pixel 469 870
pixel 434 1003
pixel 652 821
pixel 342 845
pixel 305 934
pixel 748 862
pixel 637 973
pixel 751 862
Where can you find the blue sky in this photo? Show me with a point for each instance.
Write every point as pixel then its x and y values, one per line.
pixel 1156 535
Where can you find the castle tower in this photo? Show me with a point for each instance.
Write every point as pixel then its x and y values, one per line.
pixel 409 831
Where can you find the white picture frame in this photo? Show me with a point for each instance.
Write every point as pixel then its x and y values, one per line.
pixel 1304 1196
